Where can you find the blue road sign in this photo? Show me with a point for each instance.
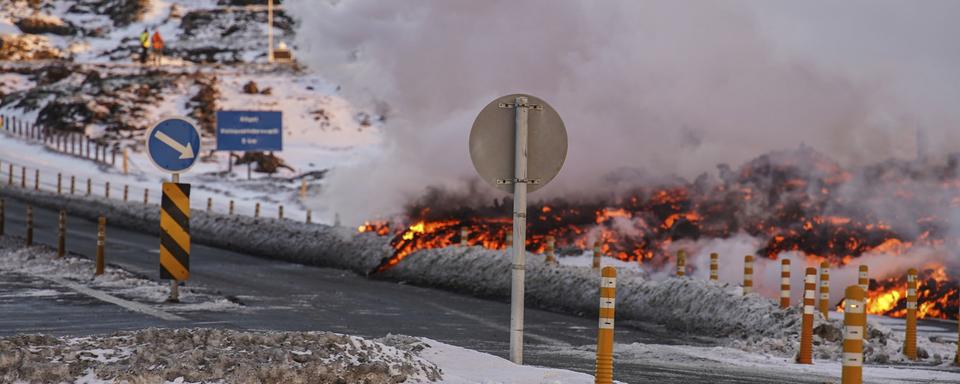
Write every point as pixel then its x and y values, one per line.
pixel 244 131
pixel 173 144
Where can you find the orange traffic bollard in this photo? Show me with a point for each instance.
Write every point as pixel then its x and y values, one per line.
pixel 608 299
pixel 910 342
pixel 101 240
pixel 863 280
pixel 551 250
pixel 681 263
pixel 854 320
pixel 806 328
pixel 597 252
pixel 825 289
pixel 714 266
pixel 785 283
pixel 747 274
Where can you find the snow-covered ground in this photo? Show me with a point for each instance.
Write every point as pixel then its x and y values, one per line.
pixel 42 262
pixel 226 356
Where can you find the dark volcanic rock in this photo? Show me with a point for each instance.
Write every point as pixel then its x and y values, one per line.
pixel 41 25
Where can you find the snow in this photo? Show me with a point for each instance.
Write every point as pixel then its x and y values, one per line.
pixel 465 366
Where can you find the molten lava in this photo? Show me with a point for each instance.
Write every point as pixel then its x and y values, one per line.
pixel 793 200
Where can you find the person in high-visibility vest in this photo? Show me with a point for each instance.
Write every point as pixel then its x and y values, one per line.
pixel 144 46
pixel 157 46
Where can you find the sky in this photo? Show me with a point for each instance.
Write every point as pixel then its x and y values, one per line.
pixel 645 88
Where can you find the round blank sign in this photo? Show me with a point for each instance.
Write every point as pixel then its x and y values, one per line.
pixel 493 136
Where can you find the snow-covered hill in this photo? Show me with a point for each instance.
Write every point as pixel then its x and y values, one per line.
pixel 73 67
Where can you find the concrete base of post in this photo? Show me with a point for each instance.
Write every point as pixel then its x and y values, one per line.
pixel 174 292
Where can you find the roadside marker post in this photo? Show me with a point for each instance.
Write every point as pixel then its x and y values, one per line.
pixel 209 204
pixel 910 341
pixel 89 187
pixel 806 328
pixel 785 284
pixel 230 212
pixel 23 177
pixel 303 188
pixel 256 211
pixel 59 183
pixel 126 191
pixel 854 320
pixel 146 196
pixel 309 218
pixel 173 146
pixel 463 237
pixel 126 161
pixel 73 184
pixel 280 212
pixel 29 225
pixel 518 144
pixel 62 234
pixel 597 253
pixel 825 290
pixel 101 243
pixel 747 274
pixel 106 190
pixel 714 266
pixel 3 215
pixel 10 174
pixel 681 263
pixel 608 300
pixel 509 242
pixel 36 180
pixel 863 280
pixel 551 251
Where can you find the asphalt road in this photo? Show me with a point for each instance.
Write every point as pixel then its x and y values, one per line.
pixel 285 296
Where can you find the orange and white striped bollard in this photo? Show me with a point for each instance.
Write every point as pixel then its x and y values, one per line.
pixel 747 274
pixel 550 250
pixel 825 289
pixel 785 283
pixel 608 300
pixel 910 341
pixel 597 252
pixel 714 266
pixel 854 320
pixel 681 263
pixel 806 328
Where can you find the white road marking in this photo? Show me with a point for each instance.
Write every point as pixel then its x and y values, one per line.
pixel 103 296
pixel 498 326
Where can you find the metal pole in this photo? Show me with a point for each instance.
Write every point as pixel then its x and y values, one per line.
pixel 519 232
pixel 270 31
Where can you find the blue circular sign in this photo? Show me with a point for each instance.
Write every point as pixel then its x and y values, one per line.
pixel 173 144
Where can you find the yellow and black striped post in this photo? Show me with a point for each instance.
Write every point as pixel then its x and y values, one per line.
pixel 62 234
pixel 854 320
pixel 806 328
pixel 101 244
pixel 175 232
pixel 73 184
pixel 714 266
pixel 29 225
pixel 785 283
pixel 608 299
pixel 863 280
pixel 551 250
pixel 597 253
pixel 681 263
pixel 747 274
pixel 825 289
pixel 910 341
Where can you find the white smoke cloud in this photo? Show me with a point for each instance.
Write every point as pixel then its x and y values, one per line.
pixel 666 87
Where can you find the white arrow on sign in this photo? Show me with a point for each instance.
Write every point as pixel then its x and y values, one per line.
pixel 186 151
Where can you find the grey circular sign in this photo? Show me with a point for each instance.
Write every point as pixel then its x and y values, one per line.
pixel 493 136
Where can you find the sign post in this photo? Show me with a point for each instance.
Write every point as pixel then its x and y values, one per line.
pixel 519 152
pixel 173 145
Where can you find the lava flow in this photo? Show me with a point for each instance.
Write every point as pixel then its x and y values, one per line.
pixel 796 200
